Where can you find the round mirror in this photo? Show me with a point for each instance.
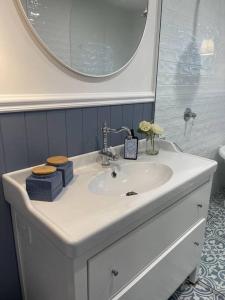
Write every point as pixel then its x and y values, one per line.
pixel 92 37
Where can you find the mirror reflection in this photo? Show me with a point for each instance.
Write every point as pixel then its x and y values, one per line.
pixel 92 37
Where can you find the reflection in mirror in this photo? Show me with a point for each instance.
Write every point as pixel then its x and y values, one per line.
pixel 92 37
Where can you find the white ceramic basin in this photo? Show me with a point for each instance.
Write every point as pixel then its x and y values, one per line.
pixel 138 177
pixel 90 211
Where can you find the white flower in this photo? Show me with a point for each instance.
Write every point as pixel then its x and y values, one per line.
pixel 145 126
pixel 156 129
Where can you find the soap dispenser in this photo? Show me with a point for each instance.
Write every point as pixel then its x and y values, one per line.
pixel 131 147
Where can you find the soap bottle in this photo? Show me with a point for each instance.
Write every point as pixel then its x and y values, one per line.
pixel 131 147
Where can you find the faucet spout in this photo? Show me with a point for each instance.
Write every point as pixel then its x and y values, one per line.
pixel 106 152
pixel 122 129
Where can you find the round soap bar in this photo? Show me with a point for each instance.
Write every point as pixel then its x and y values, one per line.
pixel 57 160
pixel 44 170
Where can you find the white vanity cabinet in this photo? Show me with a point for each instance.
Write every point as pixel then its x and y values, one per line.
pixel 150 262
pixel 89 247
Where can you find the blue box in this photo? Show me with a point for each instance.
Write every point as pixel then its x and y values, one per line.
pixel 44 188
pixel 67 172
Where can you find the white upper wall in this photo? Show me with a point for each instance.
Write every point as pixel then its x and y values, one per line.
pixel 28 69
pixel 188 79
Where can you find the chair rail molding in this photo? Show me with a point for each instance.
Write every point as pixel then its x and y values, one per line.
pixel 29 102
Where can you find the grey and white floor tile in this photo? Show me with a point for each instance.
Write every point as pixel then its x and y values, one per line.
pixel 198 292
pixel 211 284
pixel 212 270
pixel 215 211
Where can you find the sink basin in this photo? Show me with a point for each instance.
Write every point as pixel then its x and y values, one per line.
pixel 130 179
pixel 93 211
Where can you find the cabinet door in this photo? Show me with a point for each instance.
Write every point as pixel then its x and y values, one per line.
pixel 160 279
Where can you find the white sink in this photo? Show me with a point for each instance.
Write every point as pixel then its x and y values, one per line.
pixel 131 179
pixel 93 208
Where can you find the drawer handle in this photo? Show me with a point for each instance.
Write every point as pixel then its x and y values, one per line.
pixel 115 273
pixel 196 244
pixel 200 205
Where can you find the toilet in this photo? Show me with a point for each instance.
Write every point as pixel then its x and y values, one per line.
pixel 222 152
pixel 222 155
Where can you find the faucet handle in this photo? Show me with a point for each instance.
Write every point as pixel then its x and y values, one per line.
pixel 112 150
pixel 115 156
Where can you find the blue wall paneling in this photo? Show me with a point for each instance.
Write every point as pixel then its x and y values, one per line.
pixel 27 139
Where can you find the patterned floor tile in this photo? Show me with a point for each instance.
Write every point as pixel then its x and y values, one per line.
pixel 216 227
pixel 209 230
pixel 215 210
pixel 212 268
pixel 219 198
pixel 198 292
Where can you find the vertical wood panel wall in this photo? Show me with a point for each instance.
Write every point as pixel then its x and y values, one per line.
pixel 27 139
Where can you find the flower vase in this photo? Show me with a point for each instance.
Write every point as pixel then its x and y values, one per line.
pixel 152 144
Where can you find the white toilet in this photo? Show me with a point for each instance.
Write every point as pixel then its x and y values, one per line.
pixel 222 152
pixel 222 155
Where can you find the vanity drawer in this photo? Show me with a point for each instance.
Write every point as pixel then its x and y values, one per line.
pixel 160 279
pixel 131 254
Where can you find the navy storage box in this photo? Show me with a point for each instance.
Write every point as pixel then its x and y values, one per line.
pixel 45 187
pixel 67 172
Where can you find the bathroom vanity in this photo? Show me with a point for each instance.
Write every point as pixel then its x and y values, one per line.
pixel 99 241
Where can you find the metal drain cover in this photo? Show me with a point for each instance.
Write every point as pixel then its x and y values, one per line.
pixel 128 194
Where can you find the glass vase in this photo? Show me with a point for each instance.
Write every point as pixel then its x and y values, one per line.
pixel 152 144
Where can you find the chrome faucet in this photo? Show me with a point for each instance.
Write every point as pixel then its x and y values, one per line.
pixel 107 152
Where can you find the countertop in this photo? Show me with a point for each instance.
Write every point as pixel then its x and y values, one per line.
pixel 79 220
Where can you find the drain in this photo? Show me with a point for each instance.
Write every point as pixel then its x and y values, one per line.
pixel 114 174
pixel 128 194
